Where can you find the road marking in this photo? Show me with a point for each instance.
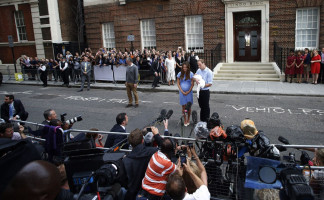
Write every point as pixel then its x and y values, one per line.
pixel 277 110
pixel 99 99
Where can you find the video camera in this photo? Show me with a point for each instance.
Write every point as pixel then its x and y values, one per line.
pixel 288 173
pixel 70 121
pixel 91 172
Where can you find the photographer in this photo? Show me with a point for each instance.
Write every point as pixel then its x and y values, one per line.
pixel 49 115
pixel 176 186
pixel 157 172
pixel 197 167
pixel 36 180
pixel 120 126
pixel 7 131
pixel 13 109
pixel 317 178
pixel 95 137
pixel 136 162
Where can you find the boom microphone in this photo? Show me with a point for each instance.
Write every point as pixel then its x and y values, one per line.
pixel 169 114
pixel 162 115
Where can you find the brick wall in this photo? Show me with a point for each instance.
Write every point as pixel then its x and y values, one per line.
pixel 283 22
pixel 169 21
pixel 8 27
pixel 6 55
pixel 7 23
pixel 67 10
pixel 28 21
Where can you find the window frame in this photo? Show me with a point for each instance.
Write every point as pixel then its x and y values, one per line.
pixel 22 18
pixel 201 49
pixel 298 29
pixel 111 24
pixel 142 34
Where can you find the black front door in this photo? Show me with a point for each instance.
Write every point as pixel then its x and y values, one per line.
pixel 247 34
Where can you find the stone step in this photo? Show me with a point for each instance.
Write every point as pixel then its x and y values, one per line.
pixel 246 68
pixel 252 64
pixel 247 79
pixel 230 71
pixel 247 75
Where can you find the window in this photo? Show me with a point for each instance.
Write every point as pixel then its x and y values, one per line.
pixel 194 33
pixel 307 27
pixel 108 35
pixel 148 34
pixel 20 25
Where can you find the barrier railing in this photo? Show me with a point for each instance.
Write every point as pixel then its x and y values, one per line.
pixel 225 181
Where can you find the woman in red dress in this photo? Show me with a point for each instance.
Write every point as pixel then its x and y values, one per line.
pixel 316 66
pixel 290 67
pixel 299 66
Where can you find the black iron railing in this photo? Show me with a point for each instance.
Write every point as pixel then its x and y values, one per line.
pixel 211 57
pixel 280 55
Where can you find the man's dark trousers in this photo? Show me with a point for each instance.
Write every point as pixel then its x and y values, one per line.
pixel 43 77
pixel 65 76
pixel 156 80
pixel 83 78
pixel 203 101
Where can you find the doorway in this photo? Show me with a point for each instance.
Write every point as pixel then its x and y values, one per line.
pixel 247 36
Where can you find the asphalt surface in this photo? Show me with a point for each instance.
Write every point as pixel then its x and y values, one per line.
pixel 299 119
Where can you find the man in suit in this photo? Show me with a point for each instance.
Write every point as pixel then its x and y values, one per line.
pixel 156 69
pixel 13 109
pixel 49 115
pixel 85 73
pixel 120 126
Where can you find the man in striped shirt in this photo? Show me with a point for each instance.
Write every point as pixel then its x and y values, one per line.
pixel 157 172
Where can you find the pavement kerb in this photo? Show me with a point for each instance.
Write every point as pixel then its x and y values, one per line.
pixel 149 89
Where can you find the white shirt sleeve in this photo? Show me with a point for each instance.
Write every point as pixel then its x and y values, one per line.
pixel 43 68
pixel 201 193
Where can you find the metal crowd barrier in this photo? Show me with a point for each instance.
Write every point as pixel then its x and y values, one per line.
pixel 163 136
pixel 225 181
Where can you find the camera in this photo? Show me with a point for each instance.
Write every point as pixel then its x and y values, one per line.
pixel 183 159
pixel 70 121
pixel 91 172
pixel 149 130
pixel 288 175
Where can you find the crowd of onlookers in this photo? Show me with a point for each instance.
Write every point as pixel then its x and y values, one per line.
pixel 69 65
pixel 304 64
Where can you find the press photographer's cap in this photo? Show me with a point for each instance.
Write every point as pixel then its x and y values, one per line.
pixel 248 128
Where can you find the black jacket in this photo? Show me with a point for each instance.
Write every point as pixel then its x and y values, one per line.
pixel 20 110
pixel 156 67
pixel 135 164
pixel 114 139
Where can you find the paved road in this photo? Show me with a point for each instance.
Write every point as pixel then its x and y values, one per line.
pixel 300 119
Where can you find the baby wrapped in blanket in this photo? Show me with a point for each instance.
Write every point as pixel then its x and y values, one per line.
pixel 201 83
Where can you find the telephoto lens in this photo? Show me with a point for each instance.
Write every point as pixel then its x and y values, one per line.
pixel 74 119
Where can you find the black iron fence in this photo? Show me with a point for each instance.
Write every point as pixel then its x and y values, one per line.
pixel 211 57
pixel 280 55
